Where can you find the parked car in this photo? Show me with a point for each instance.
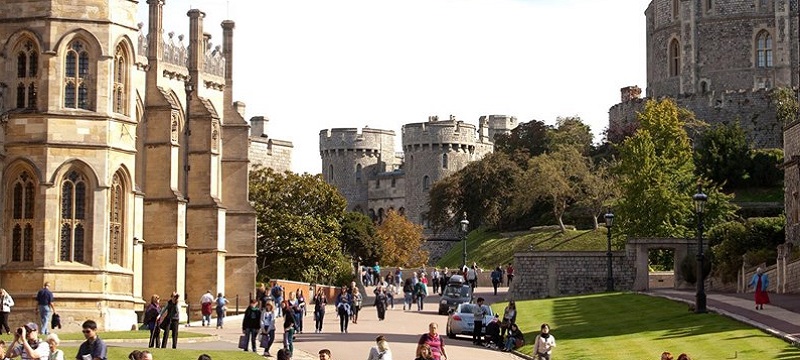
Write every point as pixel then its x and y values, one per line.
pixel 462 320
pixel 457 291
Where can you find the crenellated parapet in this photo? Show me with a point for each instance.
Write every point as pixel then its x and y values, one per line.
pixel 367 140
pixel 454 134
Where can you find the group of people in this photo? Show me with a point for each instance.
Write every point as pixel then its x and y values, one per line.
pixel 666 355
pixel 28 345
pixel 261 318
pixel 146 355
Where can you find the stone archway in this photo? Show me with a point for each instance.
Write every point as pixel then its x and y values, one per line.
pixel 640 248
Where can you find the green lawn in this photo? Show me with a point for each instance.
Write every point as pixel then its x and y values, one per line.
pixel 631 326
pixel 490 249
pixel 141 334
pixel 119 353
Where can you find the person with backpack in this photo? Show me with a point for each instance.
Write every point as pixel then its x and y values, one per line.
pixel 151 320
pixel 497 278
pixel 408 293
pixel 420 292
pixel 277 296
pixel 169 320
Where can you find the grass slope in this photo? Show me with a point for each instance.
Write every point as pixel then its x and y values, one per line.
pixel 631 326
pixel 490 249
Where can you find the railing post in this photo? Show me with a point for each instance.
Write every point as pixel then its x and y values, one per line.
pixel 237 304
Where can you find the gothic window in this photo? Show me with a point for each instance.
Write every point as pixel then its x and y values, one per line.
pixel 76 76
pixel 27 72
pixel 120 93
pixel 23 192
pixel 116 220
pixel 426 183
pixel 74 220
pixel 674 58
pixel 703 87
pixel 444 161
pixel 402 211
pixel 763 49
pixel 358 173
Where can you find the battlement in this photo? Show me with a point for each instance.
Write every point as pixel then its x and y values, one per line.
pixel 177 53
pixel 439 132
pixel 355 139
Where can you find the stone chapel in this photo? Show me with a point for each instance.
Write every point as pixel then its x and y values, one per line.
pixel 123 161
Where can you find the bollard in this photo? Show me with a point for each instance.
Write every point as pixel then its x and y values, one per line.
pixel 237 304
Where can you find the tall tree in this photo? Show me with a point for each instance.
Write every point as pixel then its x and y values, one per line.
pixel 529 138
pixel 785 102
pixel 359 239
pixel 299 223
pixel 598 189
pixel 402 241
pixel 571 131
pixel 722 155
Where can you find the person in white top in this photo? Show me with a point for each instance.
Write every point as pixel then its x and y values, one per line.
pixel 205 307
pixel 380 351
pixel 27 345
pixel 55 352
pixel 268 327
pixel 543 344
pixel 6 302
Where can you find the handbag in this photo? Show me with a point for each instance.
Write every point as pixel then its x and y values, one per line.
pixel 55 322
pixel 243 342
pixel 264 340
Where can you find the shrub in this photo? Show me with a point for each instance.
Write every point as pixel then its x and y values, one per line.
pixel 764 170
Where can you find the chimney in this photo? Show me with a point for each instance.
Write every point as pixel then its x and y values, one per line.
pixel 227 53
pixel 258 126
pixel 155 46
pixel 197 50
pixel 629 93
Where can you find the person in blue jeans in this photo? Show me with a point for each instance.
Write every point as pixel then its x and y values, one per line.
pixel 251 324
pixel 44 300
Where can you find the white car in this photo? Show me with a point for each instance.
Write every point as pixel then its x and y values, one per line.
pixel 462 320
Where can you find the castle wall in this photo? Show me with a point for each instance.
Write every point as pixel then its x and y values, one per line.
pixel 791 176
pixel 270 153
pixel 386 192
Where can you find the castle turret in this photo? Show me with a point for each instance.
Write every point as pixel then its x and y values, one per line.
pixel 350 158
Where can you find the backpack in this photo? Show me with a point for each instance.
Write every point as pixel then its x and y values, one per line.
pixel 277 292
pixel 150 315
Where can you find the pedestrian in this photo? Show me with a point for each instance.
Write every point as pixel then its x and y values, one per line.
pixel 497 278
pixel 420 292
pixel 268 327
pixel 151 313
pixel 444 278
pixel 434 342
pixel 543 344
pixel 294 303
pixel 320 301
pixel 45 308
pixel 357 303
pixel 391 291
pixel 424 353
pixel 666 355
pixel 472 276
pixel 251 324
pixel 398 276
pixel 376 272
pixel 6 302
pixel 760 281
pixel 435 280
pixel 683 356
pixel 27 345
pixel 380 303
pixel 261 294
pixel 509 317
pixel 221 308
pixel 146 355
pixel 325 354
pixel 94 347
pixel 509 274
pixel 343 309
pixel 55 353
pixel 134 355
pixel 169 321
pixel 288 327
pixel 381 350
pixel 204 357
pixel 479 313
pixel 206 303
pixel 277 296
pixel 515 338
pixel 408 294
pixel 284 354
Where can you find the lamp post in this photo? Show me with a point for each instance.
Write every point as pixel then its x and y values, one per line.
pixel 609 222
pixel 699 207
pixel 464 230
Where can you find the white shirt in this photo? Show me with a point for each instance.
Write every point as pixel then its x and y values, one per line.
pixel 375 354
pixel 542 345
pixel 267 320
pixel 43 350
pixel 7 303
pixel 206 298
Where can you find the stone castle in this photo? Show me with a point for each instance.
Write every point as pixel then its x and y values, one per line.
pixel 720 59
pixel 123 161
pixel 374 179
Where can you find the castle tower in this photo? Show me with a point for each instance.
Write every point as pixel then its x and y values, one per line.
pixel 433 150
pixel 350 159
pixel 499 125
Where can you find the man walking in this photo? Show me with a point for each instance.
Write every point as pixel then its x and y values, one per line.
pixel 479 314
pixel 205 307
pixel 44 300
pixel 93 348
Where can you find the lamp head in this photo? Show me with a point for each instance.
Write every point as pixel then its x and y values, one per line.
pixel 700 200
pixel 609 218
pixel 465 223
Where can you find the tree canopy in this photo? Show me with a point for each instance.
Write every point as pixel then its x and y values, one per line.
pixel 402 241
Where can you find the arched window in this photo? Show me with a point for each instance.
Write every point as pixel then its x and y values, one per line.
pixel 381 215
pixel 426 183
pixel 358 173
pixel 74 219
pixel 27 75
pixel 116 229
pixel 76 76
pixel 703 87
pixel 23 200
pixel 763 49
pixel 674 58
pixel 120 93
pixel 444 161
pixel 372 215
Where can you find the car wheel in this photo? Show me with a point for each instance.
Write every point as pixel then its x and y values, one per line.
pixel 450 334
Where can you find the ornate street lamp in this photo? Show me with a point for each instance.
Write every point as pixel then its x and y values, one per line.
pixel 609 222
pixel 464 230
pixel 699 208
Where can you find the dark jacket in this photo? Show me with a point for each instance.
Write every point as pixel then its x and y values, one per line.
pixel 288 318
pixel 252 318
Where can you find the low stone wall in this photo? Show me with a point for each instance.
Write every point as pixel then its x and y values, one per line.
pixel 552 274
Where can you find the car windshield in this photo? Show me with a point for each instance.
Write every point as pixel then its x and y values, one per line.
pixel 456 291
pixel 471 308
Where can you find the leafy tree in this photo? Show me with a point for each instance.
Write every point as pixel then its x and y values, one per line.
pixel 765 168
pixel 571 131
pixel 722 153
pixel 756 240
pixel 299 222
pixel 598 189
pixel 555 178
pixel 656 177
pixel 359 239
pixel 402 241
pixel 529 138
pixel 785 102
pixel 483 189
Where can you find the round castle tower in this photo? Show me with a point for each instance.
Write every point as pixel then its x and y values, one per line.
pixel 350 158
pixel 433 150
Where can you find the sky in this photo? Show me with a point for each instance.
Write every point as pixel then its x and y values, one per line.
pixel 309 65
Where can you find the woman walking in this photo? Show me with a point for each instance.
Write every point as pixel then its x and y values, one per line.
pixel 288 327
pixel 543 344
pixel 221 309
pixel 268 327
pixel 380 303
pixel 6 302
pixel 169 321
pixel 357 302
pixel 320 301
pixel 151 314
pixel 760 281
pixel 434 342
pixel 408 294
pixel 343 308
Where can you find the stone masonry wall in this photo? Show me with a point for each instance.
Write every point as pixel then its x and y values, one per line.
pixel 268 153
pixel 552 274
pixel 791 180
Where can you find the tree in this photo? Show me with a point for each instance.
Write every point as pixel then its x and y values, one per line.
pixel 299 222
pixel 598 189
pixel 359 239
pixel 656 176
pixel 554 178
pixel 785 103
pixel 571 131
pixel 402 241
pixel 529 138
pixel 722 155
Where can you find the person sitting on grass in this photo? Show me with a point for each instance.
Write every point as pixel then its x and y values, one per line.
pixel 666 355
pixel 515 338
pixel 493 339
